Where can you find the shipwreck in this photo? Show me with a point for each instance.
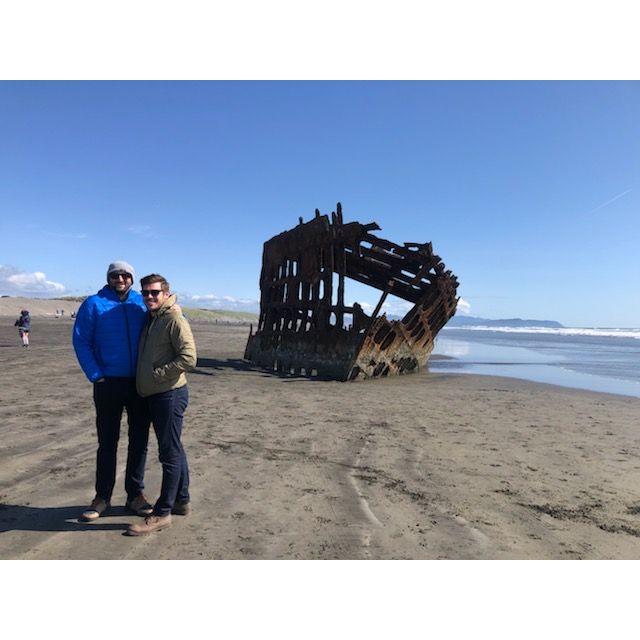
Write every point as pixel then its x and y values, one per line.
pixel 305 328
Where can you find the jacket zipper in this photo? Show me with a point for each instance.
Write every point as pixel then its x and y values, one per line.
pixel 126 320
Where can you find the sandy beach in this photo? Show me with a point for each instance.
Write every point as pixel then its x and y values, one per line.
pixel 423 466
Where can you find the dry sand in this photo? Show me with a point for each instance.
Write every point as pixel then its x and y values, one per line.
pixel 423 466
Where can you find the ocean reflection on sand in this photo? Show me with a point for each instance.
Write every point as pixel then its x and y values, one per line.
pixel 519 362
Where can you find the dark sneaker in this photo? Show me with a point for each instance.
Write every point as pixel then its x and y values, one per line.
pixel 151 524
pixel 181 509
pixel 94 510
pixel 140 506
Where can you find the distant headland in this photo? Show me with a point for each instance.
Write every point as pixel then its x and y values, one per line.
pixel 473 321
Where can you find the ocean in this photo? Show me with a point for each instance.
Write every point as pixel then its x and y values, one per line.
pixel 597 359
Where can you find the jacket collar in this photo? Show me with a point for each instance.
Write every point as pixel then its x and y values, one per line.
pixel 110 294
pixel 166 305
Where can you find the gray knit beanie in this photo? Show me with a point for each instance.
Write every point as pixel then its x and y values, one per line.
pixel 121 265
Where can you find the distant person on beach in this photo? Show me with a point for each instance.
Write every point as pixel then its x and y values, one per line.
pixel 105 337
pixel 24 327
pixel 166 351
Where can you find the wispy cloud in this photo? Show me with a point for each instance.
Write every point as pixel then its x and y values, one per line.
pixel 72 236
pixel 398 307
pixel 67 235
pixel 464 307
pixel 366 307
pixel 392 306
pixel 213 301
pixel 142 230
pixel 16 282
pixel 608 202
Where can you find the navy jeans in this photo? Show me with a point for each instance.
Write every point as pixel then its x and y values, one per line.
pixel 167 413
pixel 110 398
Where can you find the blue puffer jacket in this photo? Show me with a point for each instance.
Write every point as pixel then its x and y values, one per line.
pixel 106 333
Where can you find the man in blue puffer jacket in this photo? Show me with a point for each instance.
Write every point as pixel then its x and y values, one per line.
pixel 105 338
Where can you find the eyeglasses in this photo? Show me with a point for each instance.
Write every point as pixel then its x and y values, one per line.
pixel 117 276
pixel 151 292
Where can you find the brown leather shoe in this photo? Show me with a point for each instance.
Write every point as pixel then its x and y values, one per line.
pixel 151 524
pixel 181 509
pixel 97 507
pixel 140 506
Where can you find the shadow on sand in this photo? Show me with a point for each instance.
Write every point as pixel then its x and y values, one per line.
pixel 243 365
pixel 219 365
pixel 16 517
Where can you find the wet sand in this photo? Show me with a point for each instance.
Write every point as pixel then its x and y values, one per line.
pixel 423 466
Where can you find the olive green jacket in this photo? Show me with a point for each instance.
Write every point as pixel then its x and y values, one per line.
pixel 165 351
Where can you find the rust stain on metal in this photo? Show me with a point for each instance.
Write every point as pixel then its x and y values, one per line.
pixel 305 327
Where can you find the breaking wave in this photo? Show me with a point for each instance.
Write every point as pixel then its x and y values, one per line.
pixel 566 331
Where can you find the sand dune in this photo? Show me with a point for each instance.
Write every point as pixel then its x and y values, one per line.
pixel 11 306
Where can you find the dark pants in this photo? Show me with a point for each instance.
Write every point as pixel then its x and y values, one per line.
pixel 111 397
pixel 167 413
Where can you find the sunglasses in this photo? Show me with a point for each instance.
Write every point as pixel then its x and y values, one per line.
pixel 117 276
pixel 151 292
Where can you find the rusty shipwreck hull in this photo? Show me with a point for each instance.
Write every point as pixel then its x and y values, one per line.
pixel 304 325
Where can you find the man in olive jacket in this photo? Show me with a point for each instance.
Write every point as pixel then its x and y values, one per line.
pixel 165 352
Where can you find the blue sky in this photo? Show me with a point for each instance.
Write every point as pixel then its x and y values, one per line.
pixel 528 190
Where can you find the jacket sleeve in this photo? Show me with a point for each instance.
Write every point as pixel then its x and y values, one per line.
pixel 84 341
pixel 184 348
